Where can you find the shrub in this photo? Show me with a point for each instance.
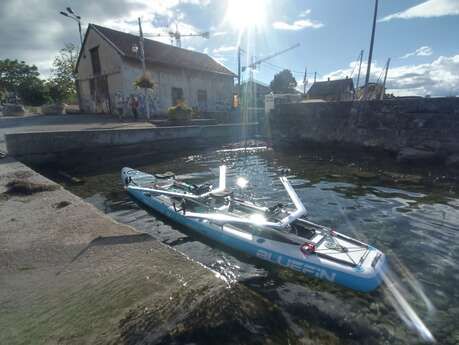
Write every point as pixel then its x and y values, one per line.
pixel 180 112
pixel 34 93
pixel 57 93
pixel 144 82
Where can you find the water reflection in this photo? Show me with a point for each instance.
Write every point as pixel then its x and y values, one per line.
pixel 414 222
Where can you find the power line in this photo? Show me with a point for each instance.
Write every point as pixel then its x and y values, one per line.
pixel 282 68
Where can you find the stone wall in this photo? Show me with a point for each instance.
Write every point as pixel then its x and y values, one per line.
pixel 414 129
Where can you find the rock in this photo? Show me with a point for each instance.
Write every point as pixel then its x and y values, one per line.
pixel 53 109
pixel 410 154
pixel 13 110
pixel 453 160
pixel 389 176
pixel 365 175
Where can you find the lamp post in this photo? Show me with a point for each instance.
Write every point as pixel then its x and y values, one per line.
pixel 72 15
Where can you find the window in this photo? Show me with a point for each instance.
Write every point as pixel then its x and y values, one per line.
pixel 92 87
pixel 202 100
pixel 177 95
pixel 95 61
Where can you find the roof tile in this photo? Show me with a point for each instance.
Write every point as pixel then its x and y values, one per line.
pixel 157 52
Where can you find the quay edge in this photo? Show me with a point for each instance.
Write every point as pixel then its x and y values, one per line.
pixel 70 274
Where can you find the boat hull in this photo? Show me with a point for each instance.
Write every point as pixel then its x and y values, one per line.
pixel 266 250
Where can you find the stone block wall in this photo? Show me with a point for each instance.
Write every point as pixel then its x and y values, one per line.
pixel 418 128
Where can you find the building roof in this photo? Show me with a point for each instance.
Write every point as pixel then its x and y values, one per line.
pixel 329 88
pixel 160 53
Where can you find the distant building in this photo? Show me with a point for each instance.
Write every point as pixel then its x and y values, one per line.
pixel 274 99
pixel 255 91
pixel 332 90
pixel 109 64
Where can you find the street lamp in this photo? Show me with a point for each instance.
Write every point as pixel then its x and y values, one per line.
pixel 72 15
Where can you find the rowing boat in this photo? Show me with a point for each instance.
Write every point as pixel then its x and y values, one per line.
pixel 278 234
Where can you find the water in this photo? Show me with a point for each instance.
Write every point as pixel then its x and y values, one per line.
pixel 413 218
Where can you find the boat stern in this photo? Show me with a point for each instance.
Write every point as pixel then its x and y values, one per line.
pixel 373 270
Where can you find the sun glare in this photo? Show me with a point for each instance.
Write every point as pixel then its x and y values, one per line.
pixel 246 14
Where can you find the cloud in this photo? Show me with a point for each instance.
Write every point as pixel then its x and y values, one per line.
pixel 422 51
pixel 42 31
pixel 220 59
pixel 218 33
pixel 224 49
pixel 438 78
pixel 298 25
pixel 305 13
pixel 427 9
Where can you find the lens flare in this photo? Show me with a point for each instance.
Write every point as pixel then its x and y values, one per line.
pixel 404 309
pixel 246 14
pixel 241 182
pixel 257 218
pixel 397 293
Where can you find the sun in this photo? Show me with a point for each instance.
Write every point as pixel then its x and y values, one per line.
pixel 246 14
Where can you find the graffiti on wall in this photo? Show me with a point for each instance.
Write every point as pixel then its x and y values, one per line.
pixel 123 103
pixel 222 104
pixel 152 99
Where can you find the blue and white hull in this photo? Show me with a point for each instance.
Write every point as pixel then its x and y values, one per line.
pixel 365 275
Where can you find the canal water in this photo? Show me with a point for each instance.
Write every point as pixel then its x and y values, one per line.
pixel 411 214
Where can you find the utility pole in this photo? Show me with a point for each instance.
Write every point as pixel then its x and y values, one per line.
pixel 360 68
pixel 385 78
pixel 239 75
pixel 305 80
pixel 370 54
pixel 315 76
pixel 144 68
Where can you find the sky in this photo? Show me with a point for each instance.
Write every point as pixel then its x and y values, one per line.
pixel 420 37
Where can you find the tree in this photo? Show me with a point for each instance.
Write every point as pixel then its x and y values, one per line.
pixel 22 79
pixel 63 77
pixel 33 93
pixel 57 93
pixel 14 73
pixel 283 82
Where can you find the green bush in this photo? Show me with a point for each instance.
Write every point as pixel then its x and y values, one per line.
pixel 144 82
pixel 34 93
pixel 57 93
pixel 179 113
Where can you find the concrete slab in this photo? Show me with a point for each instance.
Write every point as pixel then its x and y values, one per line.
pixel 42 123
pixel 71 275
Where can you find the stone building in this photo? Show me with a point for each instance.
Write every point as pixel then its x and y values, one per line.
pixel 332 90
pixel 109 64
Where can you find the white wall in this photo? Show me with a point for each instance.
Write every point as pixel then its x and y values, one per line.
pixel 111 66
pixel 122 73
pixel 219 88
